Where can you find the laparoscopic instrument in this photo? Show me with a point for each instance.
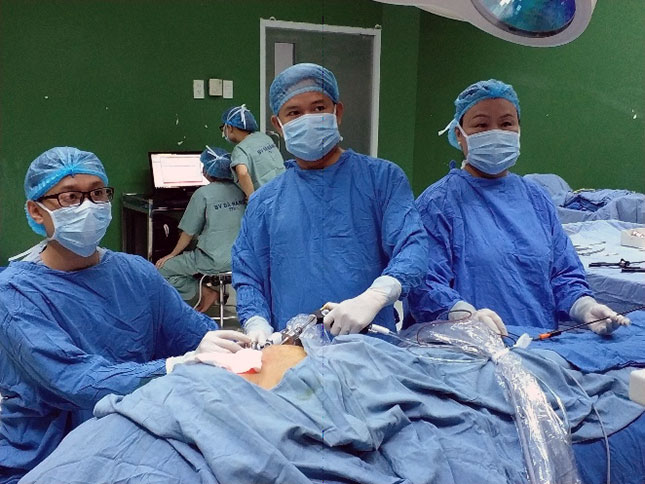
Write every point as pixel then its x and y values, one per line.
pixel 291 335
pixel 557 332
pixel 623 265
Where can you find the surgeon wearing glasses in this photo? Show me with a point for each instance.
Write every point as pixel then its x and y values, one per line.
pixel 78 322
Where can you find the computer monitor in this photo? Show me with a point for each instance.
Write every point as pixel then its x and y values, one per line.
pixel 176 169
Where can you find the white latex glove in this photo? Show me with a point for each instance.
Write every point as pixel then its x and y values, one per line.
pixel 352 315
pixel 220 341
pixel 258 330
pixel 487 316
pixel 275 338
pixel 587 309
pixel 223 341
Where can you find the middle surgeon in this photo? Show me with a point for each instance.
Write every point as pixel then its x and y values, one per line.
pixel 337 227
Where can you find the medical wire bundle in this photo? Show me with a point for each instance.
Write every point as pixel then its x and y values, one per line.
pixel 544 439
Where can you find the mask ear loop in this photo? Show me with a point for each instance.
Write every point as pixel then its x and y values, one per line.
pixel 451 125
pixel 40 244
pixel 284 134
pixel 334 113
pixel 50 212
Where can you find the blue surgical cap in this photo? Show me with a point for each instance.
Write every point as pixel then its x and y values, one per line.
pixel 217 163
pixel 301 78
pixel 490 89
pixel 240 117
pixel 54 165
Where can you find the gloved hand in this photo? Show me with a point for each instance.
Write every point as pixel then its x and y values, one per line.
pixel 258 330
pixel 275 338
pixel 352 315
pixel 491 319
pixel 220 341
pixel 487 316
pixel 223 341
pixel 587 309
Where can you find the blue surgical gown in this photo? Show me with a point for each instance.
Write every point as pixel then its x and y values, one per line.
pixel 313 236
pixel 498 244
pixel 69 338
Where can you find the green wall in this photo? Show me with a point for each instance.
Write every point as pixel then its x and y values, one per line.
pixel 399 62
pixel 583 104
pixel 115 77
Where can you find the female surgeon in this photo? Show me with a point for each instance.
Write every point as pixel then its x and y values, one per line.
pixel 498 249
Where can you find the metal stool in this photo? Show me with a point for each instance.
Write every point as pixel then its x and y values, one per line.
pixel 220 280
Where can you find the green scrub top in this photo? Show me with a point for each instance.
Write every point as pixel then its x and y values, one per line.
pixel 214 213
pixel 261 157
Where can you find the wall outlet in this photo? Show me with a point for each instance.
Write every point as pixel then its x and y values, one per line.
pixel 198 89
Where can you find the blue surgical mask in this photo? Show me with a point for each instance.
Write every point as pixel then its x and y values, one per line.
pixel 80 228
pixel 311 136
pixel 492 151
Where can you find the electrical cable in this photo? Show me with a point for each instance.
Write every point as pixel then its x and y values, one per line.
pixel 200 291
pixel 558 332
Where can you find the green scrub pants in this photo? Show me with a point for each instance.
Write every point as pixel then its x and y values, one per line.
pixel 180 270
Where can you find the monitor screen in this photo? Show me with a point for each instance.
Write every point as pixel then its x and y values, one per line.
pixel 176 170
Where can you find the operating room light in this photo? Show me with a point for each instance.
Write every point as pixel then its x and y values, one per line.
pixel 536 23
pixel 530 18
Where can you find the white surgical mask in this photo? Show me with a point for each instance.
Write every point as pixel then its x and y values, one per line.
pixel 492 151
pixel 224 134
pixel 311 136
pixel 80 228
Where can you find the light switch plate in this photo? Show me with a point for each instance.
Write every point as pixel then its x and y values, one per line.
pixel 214 87
pixel 198 89
pixel 227 87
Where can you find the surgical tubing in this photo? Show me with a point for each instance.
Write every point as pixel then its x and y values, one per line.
pixel 544 440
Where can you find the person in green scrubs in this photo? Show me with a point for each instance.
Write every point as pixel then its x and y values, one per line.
pixel 213 216
pixel 256 159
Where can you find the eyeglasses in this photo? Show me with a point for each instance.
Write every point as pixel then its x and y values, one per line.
pixel 221 127
pixel 75 198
